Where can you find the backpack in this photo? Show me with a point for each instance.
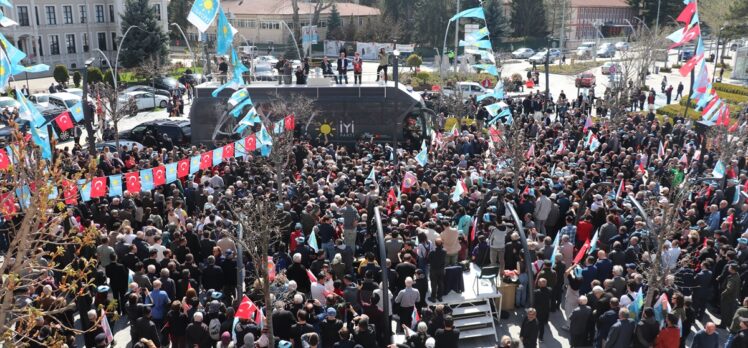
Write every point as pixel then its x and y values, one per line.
pixel 214 328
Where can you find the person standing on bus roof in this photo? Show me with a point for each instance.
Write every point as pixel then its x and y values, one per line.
pixel 383 62
pixel 342 68
pixel 358 66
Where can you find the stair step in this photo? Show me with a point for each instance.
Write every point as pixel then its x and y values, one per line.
pixel 459 312
pixel 473 322
pixel 474 333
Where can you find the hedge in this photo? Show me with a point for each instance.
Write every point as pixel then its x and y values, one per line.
pixel 568 69
pixel 424 80
pixel 734 89
pixel 676 110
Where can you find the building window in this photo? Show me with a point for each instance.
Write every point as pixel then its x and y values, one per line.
pixel 51 15
pixel 157 9
pixel 41 51
pixel 67 13
pixel 251 24
pixel 83 9
pixel 36 15
pixel 23 16
pixel 111 13
pixel 322 24
pixel 360 21
pixel 54 44
pixel 85 42
pixel 70 42
pixel 99 13
pixel 102 41
pixel 269 25
pixel 114 40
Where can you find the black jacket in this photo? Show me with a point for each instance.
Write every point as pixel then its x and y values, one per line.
pixel 118 275
pixel 145 328
pixel 212 277
pixel 282 321
pixel 646 331
pixel 342 65
pixel 437 260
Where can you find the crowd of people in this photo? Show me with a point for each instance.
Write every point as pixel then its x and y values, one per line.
pixel 167 260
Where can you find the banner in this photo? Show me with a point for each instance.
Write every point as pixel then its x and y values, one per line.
pixel 405 48
pixel 332 47
pixel 309 35
pixel 367 50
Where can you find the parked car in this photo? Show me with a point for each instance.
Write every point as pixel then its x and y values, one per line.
pixel 76 91
pixel 265 72
pixel 606 50
pixel 49 113
pixel 41 99
pixel 584 50
pixel 192 79
pixel 149 89
pixel 144 100
pixel 468 89
pixel 64 99
pixel 609 67
pixel 167 83
pixel 685 54
pixel 8 103
pixel 622 45
pixel 585 80
pixel 271 60
pixel 523 53
pixel 540 57
pixel 178 130
pixel 112 145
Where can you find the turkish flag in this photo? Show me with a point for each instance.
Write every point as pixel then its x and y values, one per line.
pixel 98 187
pixel 246 309
pixel 4 160
pixel 290 122
pixel 159 175
pixel 686 68
pixel 689 35
pixel 206 160
pixel 687 13
pixel 228 151
pixel 8 205
pixel 69 192
pixel 64 121
pixel 183 168
pixel 132 182
pixel 581 252
pixel 250 143
pixel 391 200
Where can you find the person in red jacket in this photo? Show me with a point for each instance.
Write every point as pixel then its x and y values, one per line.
pixel 669 336
pixel 584 231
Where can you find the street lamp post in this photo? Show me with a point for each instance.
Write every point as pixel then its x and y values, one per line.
pixel 547 67
pixel 119 49
pixel 87 112
pixel 114 74
pixel 194 58
pixel 716 55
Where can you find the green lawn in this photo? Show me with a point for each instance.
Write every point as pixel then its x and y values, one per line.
pixel 569 69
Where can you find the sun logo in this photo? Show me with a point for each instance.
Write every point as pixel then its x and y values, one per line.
pixel 225 29
pixel 325 130
pixel 208 4
pixel 2 70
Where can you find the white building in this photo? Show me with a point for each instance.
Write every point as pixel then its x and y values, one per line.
pixel 67 32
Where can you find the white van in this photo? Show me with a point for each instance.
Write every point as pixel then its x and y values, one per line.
pixel 64 99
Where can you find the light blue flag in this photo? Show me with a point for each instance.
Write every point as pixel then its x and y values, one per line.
pixel 486 44
pixel 477 35
pixel 28 111
pixel 493 109
pixel 509 120
pixel 263 137
pixel 498 93
pixel 422 157
pixel 53 193
pixel 238 97
pixel 236 81
pixel 249 120
pixel 711 114
pixel 554 247
pixel 217 156
pixel 202 13
pixel 194 164
pixel 265 150
pixel 18 68
pixel 719 170
pixel 6 3
pixel 699 46
pixel 115 185
pixel 5 70
pixel 24 196
pixel 676 36
pixel 224 33
pixel 77 111
pixel 237 110
pixel 6 22
pixel 635 308
pixel 593 242
pixel 492 70
pixel 506 112
pixel 40 137
pixel 372 178
pixel 14 54
pixel 278 127
pixel 239 149
pixel 171 172
pixel 146 180
pixel 475 12
pixel 84 187
pixel 313 241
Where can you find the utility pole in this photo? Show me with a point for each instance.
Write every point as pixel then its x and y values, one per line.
pixel 563 27
pixel 457 35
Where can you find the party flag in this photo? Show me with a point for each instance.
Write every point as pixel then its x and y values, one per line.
pixel 473 229
pixel 635 308
pixel 206 160
pixel 687 13
pixel 593 242
pixel 237 110
pixel 77 111
pixel 28 111
pixel 554 248
pixel 498 93
pixel 690 64
pixel 132 182
pixel 661 308
pixel 105 327
pixel 415 318
pixel 228 151
pixel 265 150
pixel 477 35
pixel 719 170
pixel 587 123
pixel 224 33
pixel 195 163
pixel 202 13
pixel 561 148
pixel 248 120
pixel 423 156
pixel 98 187
pixel 688 34
pixel 660 151
pixel 582 251
pixel 621 190
pixel 313 241
pixel 486 44
pixel 238 97
pixel 391 200
pixel 455 131
pixel 278 126
pixel 183 168
pixel 239 150
pixel 460 189
pixel 40 137
pixel 146 180
pixel 683 159
pixel 217 156
pixel 246 309
pixel 5 70
pixel 14 55
pixel 8 205
pixel 24 196
pixel 530 152
pixel 475 12
pixel 409 180
pixel 159 175
pixel 115 185
pixel 171 171
pixel 372 177
pixel 493 109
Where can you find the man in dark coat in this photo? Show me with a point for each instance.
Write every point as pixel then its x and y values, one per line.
pixel 622 332
pixel 437 264
pixel 212 275
pixel 579 323
pixel 528 332
pixel 298 273
pixel 197 334
pixel 117 274
pixel 646 330
pixel 282 321
pixel 145 328
pixel 543 297
pixel 605 322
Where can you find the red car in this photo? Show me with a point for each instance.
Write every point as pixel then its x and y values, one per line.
pixel 585 80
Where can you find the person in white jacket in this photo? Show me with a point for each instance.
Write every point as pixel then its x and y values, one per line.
pixel 543 207
pixel 496 243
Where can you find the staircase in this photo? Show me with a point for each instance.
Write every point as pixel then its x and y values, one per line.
pixel 475 318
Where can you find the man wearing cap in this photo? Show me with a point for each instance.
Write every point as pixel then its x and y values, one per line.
pixel 329 328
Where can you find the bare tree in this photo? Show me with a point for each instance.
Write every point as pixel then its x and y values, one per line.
pixel 113 109
pixel 39 248
pixel 318 7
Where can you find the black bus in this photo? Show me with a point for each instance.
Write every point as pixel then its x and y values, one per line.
pixel 345 114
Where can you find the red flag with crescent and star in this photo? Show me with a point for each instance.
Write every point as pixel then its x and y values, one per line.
pixel 4 160
pixel 132 181
pixel 8 205
pixel 159 175
pixel 228 151
pixel 98 187
pixel 290 122
pixel 69 192
pixel 64 121
pixel 206 160
pixel 183 168
pixel 250 143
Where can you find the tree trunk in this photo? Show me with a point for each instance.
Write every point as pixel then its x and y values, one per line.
pixel 266 292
